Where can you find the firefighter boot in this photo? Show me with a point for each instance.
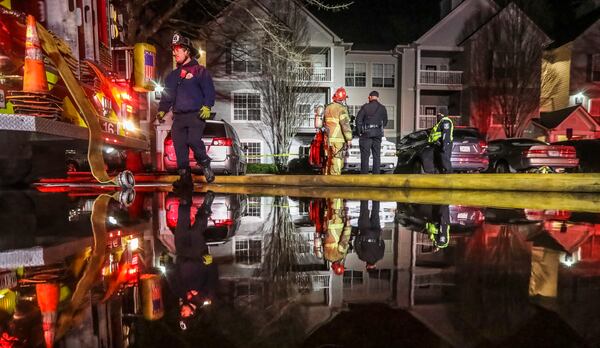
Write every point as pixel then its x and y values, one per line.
pixel 209 175
pixel 208 200
pixel 185 182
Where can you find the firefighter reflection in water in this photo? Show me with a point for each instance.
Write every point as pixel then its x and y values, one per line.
pixel 194 276
pixel 336 121
pixel 333 234
pixel 439 231
pixel 369 245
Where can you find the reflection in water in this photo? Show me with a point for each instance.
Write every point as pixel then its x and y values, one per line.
pixel 81 269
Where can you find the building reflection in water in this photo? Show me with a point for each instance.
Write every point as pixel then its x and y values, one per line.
pixel 259 270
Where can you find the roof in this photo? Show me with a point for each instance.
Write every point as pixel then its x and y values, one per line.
pixel 551 120
pixel 569 33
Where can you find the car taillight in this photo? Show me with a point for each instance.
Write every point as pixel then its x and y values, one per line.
pixel 222 142
pixel 483 145
pixel 535 153
pixel 223 222
pixel 168 141
pixel 567 151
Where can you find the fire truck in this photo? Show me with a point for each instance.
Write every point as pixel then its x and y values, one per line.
pixel 86 63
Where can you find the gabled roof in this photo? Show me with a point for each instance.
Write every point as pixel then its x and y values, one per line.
pixel 497 14
pixel 455 12
pixel 553 119
pixel 576 29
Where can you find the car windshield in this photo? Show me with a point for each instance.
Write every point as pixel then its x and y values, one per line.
pixel 466 133
pixel 215 130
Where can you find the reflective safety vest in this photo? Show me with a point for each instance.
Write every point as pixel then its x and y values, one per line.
pixel 433 230
pixel 436 133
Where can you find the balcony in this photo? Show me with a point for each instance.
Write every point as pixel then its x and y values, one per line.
pixel 428 121
pixel 314 74
pixel 440 78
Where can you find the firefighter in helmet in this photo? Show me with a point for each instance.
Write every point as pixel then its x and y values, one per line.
pixel 190 94
pixel 440 139
pixel 336 120
pixel 337 234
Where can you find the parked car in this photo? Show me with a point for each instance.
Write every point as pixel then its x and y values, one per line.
pixel 388 157
pixel 587 151
pixel 222 145
pixel 522 154
pixel 468 151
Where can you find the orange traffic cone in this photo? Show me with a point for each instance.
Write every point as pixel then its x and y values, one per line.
pixel 47 298
pixel 34 78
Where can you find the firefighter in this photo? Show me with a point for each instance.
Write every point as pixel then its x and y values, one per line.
pixel 337 234
pixel 440 151
pixel 439 231
pixel 370 122
pixel 337 124
pixel 369 245
pixel 194 277
pixel 190 94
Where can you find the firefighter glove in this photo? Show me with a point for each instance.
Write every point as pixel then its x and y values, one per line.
pixel 204 113
pixel 160 116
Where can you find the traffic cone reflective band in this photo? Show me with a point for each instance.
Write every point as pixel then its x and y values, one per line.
pixel 47 298
pixel 34 77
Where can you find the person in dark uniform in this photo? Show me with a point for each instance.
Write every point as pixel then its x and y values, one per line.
pixel 194 276
pixel 439 231
pixel 190 94
pixel 440 139
pixel 370 122
pixel 369 245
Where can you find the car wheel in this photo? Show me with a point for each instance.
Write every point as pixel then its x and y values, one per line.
pixel 418 167
pixel 502 167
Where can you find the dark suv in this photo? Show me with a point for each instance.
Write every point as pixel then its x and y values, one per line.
pixel 469 151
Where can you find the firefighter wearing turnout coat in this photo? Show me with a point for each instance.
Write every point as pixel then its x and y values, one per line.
pixel 336 121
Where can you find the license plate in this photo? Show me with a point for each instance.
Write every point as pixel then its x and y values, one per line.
pixel 465 149
pixel 462 216
pixel 553 153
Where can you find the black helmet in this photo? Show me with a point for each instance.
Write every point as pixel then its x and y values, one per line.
pixel 181 40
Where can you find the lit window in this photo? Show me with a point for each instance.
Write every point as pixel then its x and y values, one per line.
pixel 356 74
pixel 246 107
pixel 383 75
pixel 252 149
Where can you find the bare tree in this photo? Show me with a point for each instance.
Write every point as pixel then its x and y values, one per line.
pixel 506 70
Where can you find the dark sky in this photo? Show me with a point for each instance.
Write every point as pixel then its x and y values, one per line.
pixel 382 24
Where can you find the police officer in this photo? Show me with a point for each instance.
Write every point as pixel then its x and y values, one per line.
pixel 339 133
pixel 440 139
pixel 194 277
pixel 370 122
pixel 369 245
pixel 190 94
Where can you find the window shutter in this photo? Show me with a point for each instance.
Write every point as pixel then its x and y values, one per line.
pixel 228 58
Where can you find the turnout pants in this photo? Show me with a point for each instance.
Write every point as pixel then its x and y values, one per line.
pixel 187 132
pixel 335 158
pixel 368 145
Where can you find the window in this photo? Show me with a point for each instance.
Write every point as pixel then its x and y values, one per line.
pixel 246 107
pixel 254 207
pixel 596 67
pixel 353 110
pixel 356 74
pixel 248 251
pixel 501 64
pixel 391 112
pixel 383 75
pixel 244 58
pixel 252 149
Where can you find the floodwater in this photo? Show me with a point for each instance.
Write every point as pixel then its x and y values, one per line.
pixel 88 268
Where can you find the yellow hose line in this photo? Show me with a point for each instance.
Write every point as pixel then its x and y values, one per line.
pixel 584 202
pixel 485 182
pixel 86 109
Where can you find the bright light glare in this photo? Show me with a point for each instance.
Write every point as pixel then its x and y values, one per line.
pixel 129 126
pixel 134 244
pixel 112 220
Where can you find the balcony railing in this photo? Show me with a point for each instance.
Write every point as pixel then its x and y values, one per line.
pixel 314 74
pixel 308 121
pixel 433 77
pixel 428 121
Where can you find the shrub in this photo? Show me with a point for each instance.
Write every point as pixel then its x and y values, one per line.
pixel 261 168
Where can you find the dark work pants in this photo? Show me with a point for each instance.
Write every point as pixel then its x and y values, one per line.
pixel 189 239
pixel 187 132
pixel 444 159
pixel 435 158
pixel 368 145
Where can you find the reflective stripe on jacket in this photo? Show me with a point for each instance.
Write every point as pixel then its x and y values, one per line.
pixel 436 133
